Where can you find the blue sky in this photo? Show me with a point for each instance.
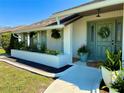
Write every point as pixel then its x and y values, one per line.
pixel 21 12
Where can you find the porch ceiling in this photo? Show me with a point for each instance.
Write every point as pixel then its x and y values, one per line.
pixel 103 10
pixel 90 7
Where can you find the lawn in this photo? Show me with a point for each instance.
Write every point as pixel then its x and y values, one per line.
pixel 16 80
pixel 2 51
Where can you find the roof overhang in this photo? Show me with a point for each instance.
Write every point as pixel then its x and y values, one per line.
pixel 89 7
pixel 40 29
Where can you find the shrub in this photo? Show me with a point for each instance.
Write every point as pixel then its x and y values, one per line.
pixel 14 43
pixel 2 51
pixel 21 45
pixel 5 41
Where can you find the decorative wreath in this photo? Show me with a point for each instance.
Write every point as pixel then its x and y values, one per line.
pixel 104 32
pixel 55 34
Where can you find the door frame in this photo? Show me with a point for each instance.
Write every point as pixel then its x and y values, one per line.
pixel 94 22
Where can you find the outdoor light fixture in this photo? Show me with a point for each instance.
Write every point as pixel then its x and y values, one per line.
pixel 98 13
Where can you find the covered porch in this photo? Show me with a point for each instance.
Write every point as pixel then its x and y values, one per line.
pixel 45 45
pixel 86 29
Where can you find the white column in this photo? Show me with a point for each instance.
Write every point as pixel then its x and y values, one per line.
pixel 123 37
pixel 38 40
pixel 67 41
pixel 58 20
pixel 28 37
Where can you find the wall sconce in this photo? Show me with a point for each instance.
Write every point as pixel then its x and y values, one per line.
pixel 98 13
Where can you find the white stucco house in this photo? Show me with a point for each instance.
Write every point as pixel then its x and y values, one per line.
pixel 77 26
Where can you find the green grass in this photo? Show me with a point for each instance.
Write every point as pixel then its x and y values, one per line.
pixel 2 51
pixel 16 80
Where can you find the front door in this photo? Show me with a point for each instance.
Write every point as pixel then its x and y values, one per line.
pixel 102 35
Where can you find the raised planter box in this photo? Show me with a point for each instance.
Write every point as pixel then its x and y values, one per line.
pixel 56 61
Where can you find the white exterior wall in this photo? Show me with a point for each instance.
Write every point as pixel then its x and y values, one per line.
pixel 54 44
pixel 80 28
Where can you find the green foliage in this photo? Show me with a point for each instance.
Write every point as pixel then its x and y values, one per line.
pixel 113 61
pixel 119 84
pixel 21 45
pixel 33 48
pixel 2 51
pixel 43 48
pixel 5 41
pixel 104 32
pixel 83 49
pixel 52 52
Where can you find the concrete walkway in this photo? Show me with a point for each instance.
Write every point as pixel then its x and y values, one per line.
pixel 77 79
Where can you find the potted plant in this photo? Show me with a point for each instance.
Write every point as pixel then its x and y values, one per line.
pixel 55 34
pixel 83 53
pixel 111 67
pixel 118 85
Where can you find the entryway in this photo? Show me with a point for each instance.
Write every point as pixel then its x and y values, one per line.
pixel 102 35
pixel 76 80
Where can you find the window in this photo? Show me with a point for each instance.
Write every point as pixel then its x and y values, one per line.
pixel 92 33
pixel 119 31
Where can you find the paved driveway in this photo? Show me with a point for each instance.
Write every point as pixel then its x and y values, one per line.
pixel 77 79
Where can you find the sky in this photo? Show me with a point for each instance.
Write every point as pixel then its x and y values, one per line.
pixel 24 12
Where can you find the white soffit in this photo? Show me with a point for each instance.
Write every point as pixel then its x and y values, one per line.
pixel 89 7
pixel 40 29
